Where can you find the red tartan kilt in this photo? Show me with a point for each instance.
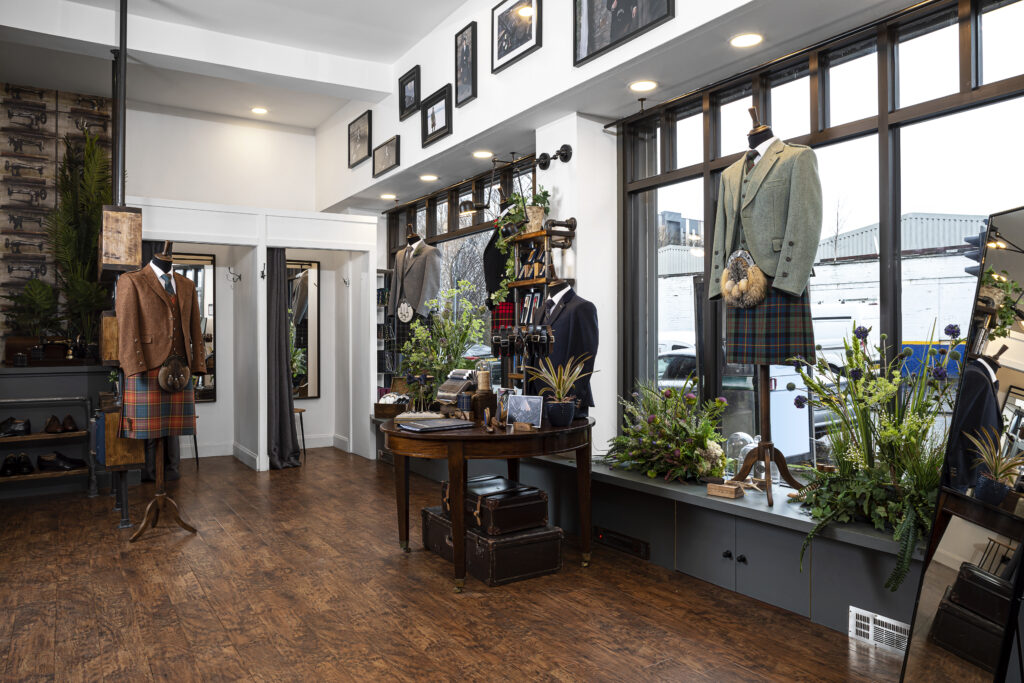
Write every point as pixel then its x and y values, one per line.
pixel 771 333
pixel 150 412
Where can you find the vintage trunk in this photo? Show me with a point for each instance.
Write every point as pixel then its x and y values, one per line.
pixel 497 560
pixel 966 635
pixel 985 594
pixel 495 505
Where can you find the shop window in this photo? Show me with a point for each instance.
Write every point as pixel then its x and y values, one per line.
pixel 442 214
pixel 734 120
pixel 928 59
pixel 467 220
pixel 853 83
pixel 944 202
pixel 421 221
pixel 646 145
pixel 1002 24
pixel 463 259
pixel 689 137
pixel 492 195
pixel 791 103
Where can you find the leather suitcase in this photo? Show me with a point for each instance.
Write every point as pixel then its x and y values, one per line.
pixel 985 594
pixel 965 634
pixel 495 505
pixel 497 560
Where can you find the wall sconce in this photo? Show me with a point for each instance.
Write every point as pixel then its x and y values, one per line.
pixel 563 154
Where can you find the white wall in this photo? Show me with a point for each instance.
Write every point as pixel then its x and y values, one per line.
pixel 249 363
pixel 198 157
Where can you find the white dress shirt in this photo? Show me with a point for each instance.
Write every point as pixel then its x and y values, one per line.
pixel 160 276
pixel 763 147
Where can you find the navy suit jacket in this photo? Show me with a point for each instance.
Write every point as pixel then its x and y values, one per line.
pixel 574 322
pixel 977 411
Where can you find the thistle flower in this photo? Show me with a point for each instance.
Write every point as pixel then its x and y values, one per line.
pixel 651 419
pixel 721 400
pixel 954 355
pixel 939 372
pixel 943 352
pixel 790 386
pixel 856 374
pixel 952 331
pixel 800 401
pixel 861 332
pixel 690 396
pixel 797 362
pixel 907 352
pixel 667 393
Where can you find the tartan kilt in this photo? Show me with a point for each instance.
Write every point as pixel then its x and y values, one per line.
pixel 772 332
pixel 150 412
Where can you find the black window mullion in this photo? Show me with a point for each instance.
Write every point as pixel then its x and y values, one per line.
pixel 710 358
pixel 969 47
pixel 431 217
pixel 819 93
pixel 668 142
pixel 889 272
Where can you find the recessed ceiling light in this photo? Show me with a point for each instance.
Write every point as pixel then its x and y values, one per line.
pixel 746 40
pixel 526 11
pixel 643 86
pixel 428 177
pixel 259 110
pixel 388 196
pixel 482 154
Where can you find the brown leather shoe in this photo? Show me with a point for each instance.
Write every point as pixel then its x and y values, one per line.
pixel 69 424
pixel 53 426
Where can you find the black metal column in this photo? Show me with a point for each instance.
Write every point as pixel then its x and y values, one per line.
pixel 120 89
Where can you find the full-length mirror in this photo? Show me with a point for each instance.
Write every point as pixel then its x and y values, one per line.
pixel 304 327
pixel 199 268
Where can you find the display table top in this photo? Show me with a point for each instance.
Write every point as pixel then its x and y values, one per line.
pixel 481 434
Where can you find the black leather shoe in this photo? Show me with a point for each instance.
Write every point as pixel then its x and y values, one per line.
pixel 71 463
pixel 58 462
pixel 14 427
pixel 10 466
pixel 25 464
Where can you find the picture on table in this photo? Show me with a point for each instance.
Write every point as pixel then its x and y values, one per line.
pixel 465 65
pixel 515 31
pixel 600 25
pixel 359 139
pixel 409 93
pixel 386 156
pixel 528 409
pixel 436 115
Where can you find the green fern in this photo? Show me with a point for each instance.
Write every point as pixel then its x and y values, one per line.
pixel 907 535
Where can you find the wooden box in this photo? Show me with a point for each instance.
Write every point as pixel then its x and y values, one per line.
pixel 725 490
pixel 120 243
pixel 108 339
pixel 119 453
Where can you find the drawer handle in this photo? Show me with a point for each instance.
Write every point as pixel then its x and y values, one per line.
pixel 741 559
pixel 727 554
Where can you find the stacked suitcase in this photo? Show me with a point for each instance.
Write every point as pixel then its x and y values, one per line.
pixel 507 534
pixel 972 616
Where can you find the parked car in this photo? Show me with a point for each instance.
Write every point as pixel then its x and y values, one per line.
pixel 676 367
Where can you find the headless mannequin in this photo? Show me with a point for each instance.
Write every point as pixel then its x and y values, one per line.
pixel 411 238
pixel 163 260
pixel 759 134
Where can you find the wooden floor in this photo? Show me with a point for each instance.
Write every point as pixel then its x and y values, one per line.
pixel 297 575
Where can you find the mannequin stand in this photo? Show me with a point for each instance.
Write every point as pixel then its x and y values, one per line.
pixel 766 451
pixel 160 501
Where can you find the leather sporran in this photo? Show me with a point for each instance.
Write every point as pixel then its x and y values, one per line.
pixel 174 375
pixel 744 285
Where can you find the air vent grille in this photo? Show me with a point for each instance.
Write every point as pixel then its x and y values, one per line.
pixel 878 630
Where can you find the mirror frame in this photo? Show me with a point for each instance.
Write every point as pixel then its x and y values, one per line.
pixel 194 259
pixel 307 264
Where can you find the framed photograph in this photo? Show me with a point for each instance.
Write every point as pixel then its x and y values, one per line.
pixel 436 116
pixel 359 132
pixel 515 32
pixel 465 65
pixel 503 394
pixel 602 25
pixel 409 93
pixel 526 409
pixel 386 156
pixel 535 308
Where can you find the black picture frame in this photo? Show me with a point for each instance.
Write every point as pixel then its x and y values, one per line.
pixel 360 133
pixel 409 106
pixel 465 65
pixel 577 60
pixel 390 156
pixel 500 15
pixel 430 132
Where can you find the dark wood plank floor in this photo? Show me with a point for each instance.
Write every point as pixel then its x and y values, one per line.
pixel 297 575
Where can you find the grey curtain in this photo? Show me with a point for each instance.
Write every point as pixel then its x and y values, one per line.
pixel 283 444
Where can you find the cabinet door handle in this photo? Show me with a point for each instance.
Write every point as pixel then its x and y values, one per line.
pixel 741 558
pixel 727 554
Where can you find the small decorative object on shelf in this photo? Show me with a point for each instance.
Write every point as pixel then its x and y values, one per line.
pixel 725 490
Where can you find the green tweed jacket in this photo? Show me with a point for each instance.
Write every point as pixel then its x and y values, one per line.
pixel 780 203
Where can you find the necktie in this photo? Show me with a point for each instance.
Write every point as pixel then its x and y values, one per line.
pixel 751 158
pixel 167 283
pixel 549 306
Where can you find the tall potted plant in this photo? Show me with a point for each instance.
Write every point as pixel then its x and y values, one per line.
pixel 1000 471
pixel 559 382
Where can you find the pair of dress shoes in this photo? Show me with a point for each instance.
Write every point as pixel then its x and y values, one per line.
pixel 58 462
pixel 16 464
pixel 55 426
pixel 15 427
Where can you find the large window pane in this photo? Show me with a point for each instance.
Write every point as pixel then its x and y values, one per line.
pixel 442 215
pixel 1002 25
pixel 421 221
pixel 853 83
pixel 928 60
pixel 689 138
pixel 734 121
pixel 791 105
pixel 462 259
pixel 467 220
pixel 680 216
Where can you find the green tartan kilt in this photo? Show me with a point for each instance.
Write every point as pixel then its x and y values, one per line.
pixel 772 332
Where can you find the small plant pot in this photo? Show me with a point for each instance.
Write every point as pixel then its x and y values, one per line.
pixel 561 414
pixel 990 491
pixel 535 215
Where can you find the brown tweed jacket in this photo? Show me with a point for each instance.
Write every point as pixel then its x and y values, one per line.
pixel 145 321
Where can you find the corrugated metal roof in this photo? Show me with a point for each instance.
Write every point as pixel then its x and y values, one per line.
pixel 920 232
pixel 675 259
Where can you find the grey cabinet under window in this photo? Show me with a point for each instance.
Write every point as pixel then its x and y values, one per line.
pixel 706 545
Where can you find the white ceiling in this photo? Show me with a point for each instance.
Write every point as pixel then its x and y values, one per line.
pixel 374 30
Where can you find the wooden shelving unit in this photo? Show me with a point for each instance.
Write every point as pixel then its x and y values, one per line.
pixel 42 437
pixel 46 475
pixel 14 443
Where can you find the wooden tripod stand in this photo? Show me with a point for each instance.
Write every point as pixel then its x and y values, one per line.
pixel 766 451
pixel 160 501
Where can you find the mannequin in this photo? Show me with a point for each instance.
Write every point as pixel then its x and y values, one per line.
pixel 573 320
pixel 977 413
pixel 417 276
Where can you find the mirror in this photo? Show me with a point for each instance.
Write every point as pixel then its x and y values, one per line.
pixel 965 625
pixel 199 268
pixel 304 327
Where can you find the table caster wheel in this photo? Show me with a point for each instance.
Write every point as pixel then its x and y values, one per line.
pixel 459 584
pixel 586 560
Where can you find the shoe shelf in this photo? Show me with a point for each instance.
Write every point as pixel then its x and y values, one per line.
pixel 41 437
pixel 45 474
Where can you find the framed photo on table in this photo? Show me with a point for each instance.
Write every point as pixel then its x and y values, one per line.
pixel 603 25
pixel 387 156
pixel 526 409
pixel 515 32
pixel 359 132
pixel 409 93
pixel 436 116
pixel 465 65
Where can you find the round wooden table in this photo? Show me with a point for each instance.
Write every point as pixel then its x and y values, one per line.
pixel 459 446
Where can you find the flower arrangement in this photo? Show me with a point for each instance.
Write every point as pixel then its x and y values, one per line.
pixel 668 433
pixel 888 439
pixel 436 347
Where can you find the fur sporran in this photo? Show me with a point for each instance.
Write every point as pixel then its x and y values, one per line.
pixel 174 375
pixel 743 283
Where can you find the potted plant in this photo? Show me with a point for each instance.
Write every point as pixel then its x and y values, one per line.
pixel 34 312
pixel 559 382
pixel 1001 469
pixel 524 214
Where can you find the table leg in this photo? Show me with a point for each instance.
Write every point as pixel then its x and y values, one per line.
pixel 513 469
pixel 402 496
pixel 583 492
pixel 457 492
